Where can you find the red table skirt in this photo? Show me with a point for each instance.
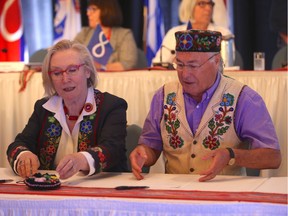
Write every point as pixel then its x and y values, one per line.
pixel 149 194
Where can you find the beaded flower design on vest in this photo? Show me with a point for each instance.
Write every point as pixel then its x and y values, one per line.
pixel 220 123
pixel 53 132
pixel 171 122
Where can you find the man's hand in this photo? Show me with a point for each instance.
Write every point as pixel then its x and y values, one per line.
pixel 220 159
pixel 137 158
pixel 27 164
pixel 71 164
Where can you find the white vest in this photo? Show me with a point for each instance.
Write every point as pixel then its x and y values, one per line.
pixel 183 150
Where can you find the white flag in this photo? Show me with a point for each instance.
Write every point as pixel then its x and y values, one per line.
pixel 67 21
pixel 223 14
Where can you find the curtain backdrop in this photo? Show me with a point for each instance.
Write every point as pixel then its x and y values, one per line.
pixel 252 30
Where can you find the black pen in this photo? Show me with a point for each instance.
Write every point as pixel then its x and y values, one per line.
pixel 130 187
pixel 6 180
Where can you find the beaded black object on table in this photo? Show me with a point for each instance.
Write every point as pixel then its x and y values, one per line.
pixel 43 181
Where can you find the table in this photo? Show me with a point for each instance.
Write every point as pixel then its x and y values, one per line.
pixel 137 88
pixel 181 194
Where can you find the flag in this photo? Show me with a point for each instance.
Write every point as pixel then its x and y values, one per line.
pixel 223 14
pixel 100 47
pixel 155 28
pixel 67 20
pixel 11 31
pixel 230 13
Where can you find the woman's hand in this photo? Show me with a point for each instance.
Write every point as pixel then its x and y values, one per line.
pixel 27 164
pixel 71 164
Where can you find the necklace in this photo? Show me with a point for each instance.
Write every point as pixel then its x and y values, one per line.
pixel 87 107
pixel 70 117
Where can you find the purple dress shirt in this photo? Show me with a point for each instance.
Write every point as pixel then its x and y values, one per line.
pixel 253 123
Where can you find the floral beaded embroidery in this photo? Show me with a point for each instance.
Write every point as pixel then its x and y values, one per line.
pixel 196 43
pixel 48 151
pixel 207 42
pixel 186 41
pixel 220 123
pixel 102 158
pixel 172 123
pixel 85 129
pixel 53 134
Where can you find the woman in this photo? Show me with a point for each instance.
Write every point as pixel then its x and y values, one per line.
pixel 76 127
pixel 108 15
pixel 197 14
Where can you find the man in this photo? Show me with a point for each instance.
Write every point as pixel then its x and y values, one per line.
pixel 206 123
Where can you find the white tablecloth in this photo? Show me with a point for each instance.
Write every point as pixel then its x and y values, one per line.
pixel 137 88
pixel 62 206
pixel 24 204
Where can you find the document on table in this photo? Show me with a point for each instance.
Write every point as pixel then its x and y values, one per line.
pixel 274 185
pixel 168 182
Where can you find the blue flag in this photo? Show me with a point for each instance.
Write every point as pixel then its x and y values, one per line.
pixel 100 47
pixel 155 28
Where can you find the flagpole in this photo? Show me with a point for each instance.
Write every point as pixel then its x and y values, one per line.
pixel 230 12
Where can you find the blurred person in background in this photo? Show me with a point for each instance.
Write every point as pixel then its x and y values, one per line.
pixel 108 14
pixel 196 14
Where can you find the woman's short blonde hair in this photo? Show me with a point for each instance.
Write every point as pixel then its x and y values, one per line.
pixel 84 55
pixel 185 10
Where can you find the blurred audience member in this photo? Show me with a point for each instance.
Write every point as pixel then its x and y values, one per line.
pixel 108 15
pixel 196 14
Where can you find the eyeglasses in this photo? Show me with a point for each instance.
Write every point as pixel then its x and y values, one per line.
pixel 92 9
pixel 180 66
pixel 202 4
pixel 71 70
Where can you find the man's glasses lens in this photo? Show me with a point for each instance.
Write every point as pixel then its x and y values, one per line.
pixel 180 66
